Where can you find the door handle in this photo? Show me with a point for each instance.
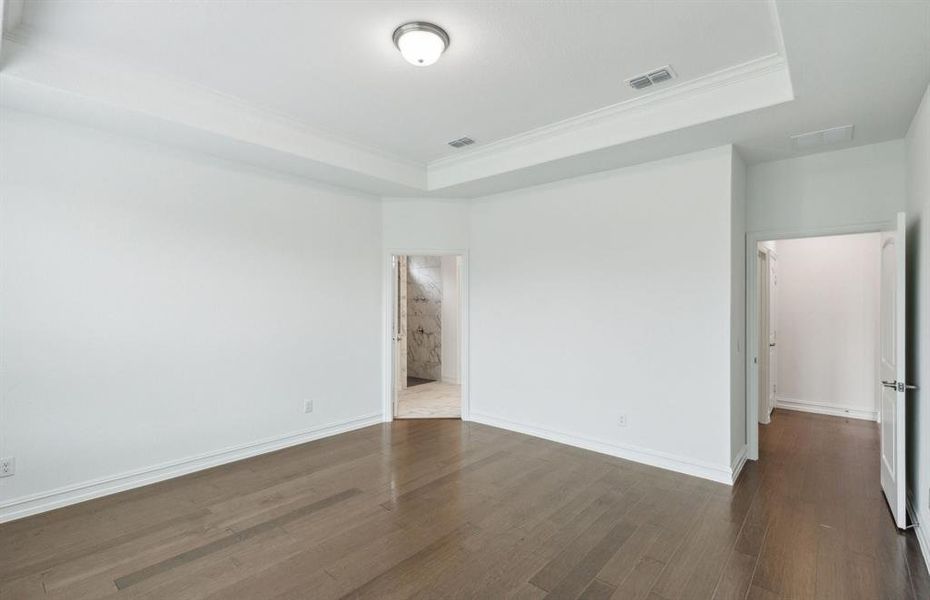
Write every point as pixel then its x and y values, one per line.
pixel 771 345
pixel 890 384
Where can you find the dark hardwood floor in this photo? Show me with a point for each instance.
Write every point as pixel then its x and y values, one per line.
pixel 445 509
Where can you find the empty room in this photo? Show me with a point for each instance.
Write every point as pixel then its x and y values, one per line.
pixel 581 299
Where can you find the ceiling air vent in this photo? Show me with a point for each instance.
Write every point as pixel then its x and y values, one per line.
pixel 822 137
pixel 654 77
pixel 462 142
pixel 638 83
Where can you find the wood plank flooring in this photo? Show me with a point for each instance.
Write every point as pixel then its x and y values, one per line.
pixel 445 509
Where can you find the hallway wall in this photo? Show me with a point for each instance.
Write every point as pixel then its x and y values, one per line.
pixel 826 314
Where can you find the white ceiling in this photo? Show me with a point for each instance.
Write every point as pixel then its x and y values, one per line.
pixel 316 88
pixel 511 66
pixel 862 63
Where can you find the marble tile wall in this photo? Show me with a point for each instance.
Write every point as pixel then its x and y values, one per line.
pixel 424 317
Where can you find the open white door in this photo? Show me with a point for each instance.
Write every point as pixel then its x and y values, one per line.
pixel 772 340
pixel 891 371
pixel 764 376
pixel 398 328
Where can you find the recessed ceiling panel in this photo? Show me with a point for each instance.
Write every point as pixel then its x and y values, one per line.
pixel 510 66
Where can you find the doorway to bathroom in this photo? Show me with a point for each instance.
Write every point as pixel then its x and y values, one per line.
pixel 427 336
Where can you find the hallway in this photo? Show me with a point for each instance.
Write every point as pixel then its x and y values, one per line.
pixel 819 526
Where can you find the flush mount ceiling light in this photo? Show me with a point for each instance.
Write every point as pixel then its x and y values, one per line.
pixel 421 43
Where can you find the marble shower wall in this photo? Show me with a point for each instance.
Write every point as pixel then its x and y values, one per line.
pixel 424 317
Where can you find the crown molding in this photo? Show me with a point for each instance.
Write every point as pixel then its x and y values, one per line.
pixel 749 86
pixel 649 101
pixel 23 36
pixel 41 76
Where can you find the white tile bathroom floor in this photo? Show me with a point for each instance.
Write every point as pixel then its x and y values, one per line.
pixel 434 400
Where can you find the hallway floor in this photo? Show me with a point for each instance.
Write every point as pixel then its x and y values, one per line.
pixel 819 526
pixel 449 509
pixel 433 400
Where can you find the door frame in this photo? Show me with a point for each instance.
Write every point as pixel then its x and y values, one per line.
pixel 752 308
pixel 389 292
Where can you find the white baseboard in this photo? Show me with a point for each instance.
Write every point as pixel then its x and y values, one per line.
pixel 655 458
pixel 739 461
pixel 825 409
pixel 24 506
pixel 920 532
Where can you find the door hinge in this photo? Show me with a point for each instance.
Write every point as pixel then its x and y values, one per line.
pixel 899 386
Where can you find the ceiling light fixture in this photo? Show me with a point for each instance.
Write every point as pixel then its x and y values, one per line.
pixel 421 43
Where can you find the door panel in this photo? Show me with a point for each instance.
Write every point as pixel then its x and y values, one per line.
pixel 399 327
pixel 772 367
pixel 762 362
pixel 891 371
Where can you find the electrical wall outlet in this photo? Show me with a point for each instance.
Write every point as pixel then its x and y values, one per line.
pixel 308 406
pixel 621 420
pixel 7 466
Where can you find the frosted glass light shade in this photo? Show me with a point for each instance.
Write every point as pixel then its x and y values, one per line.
pixel 421 44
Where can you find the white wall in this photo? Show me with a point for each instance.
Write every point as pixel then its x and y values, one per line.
pixel 827 316
pixel 738 438
pixel 607 295
pixel 918 313
pixel 425 224
pixel 855 186
pixel 161 306
pixel 450 318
